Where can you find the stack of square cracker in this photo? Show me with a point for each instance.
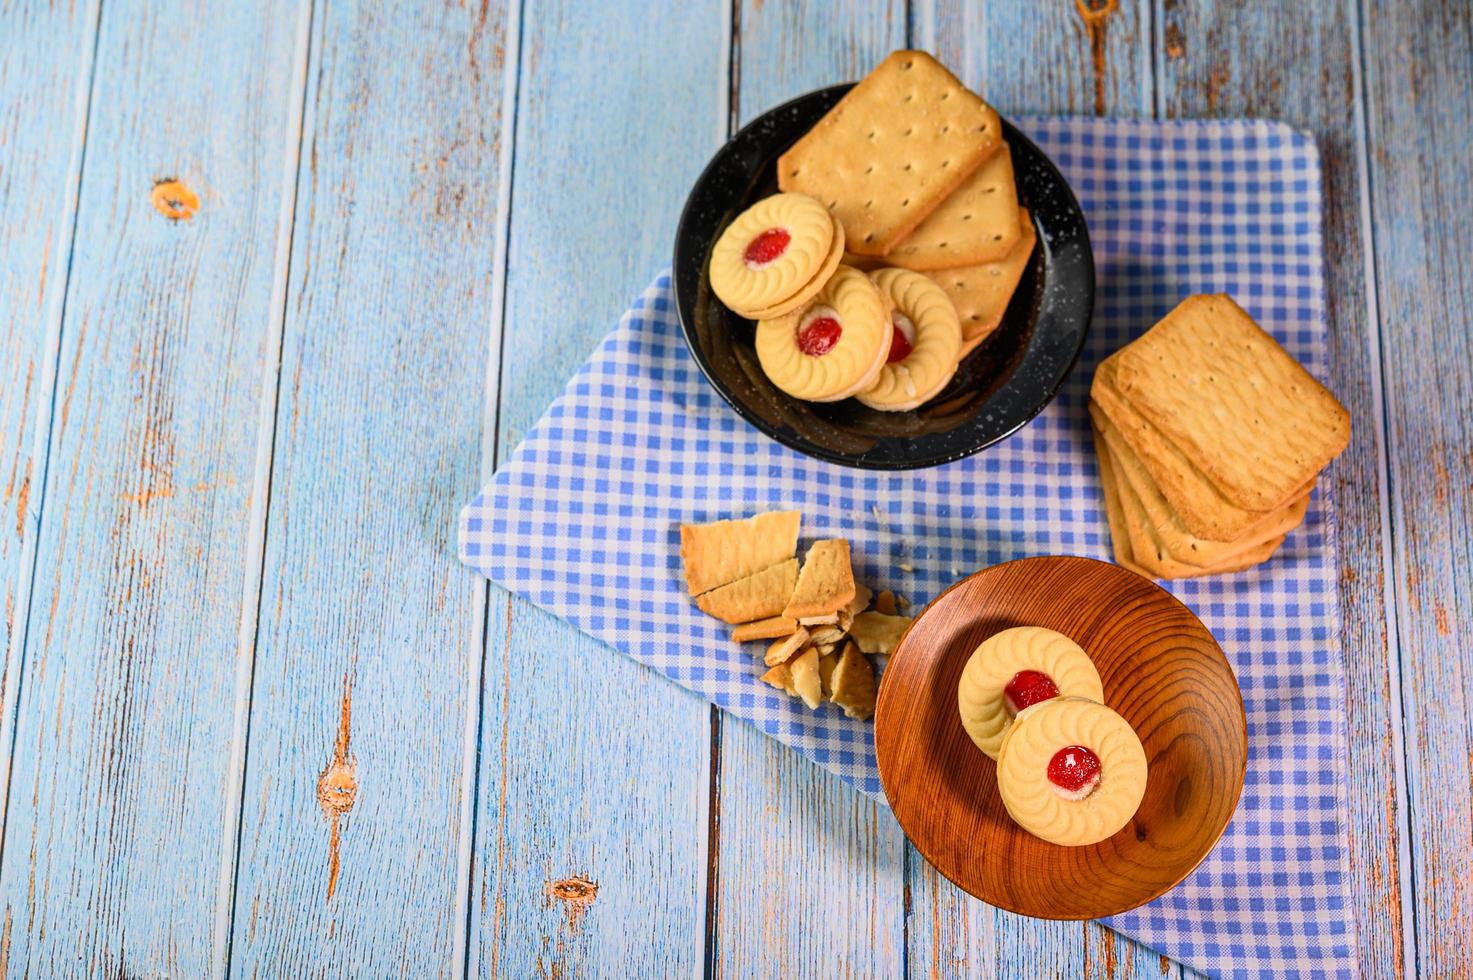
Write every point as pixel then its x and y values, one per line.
pixel 1210 437
pixel 915 168
pixel 746 572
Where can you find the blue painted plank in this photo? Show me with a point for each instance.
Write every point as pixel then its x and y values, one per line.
pixel 45 75
pixel 1031 58
pixel 809 871
pixel 119 809
pixel 1297 63
pixel 593 768
pixel 357 793
pixel 1046 58
pixel 1418 59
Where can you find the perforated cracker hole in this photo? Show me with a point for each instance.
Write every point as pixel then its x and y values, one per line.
pixel 793 174
pixel 945 128
pixel 966 217
pixel 869 237
pixel 905 203
pixel 907 168
pixel 905 65
pixel 870 169
pixel 910 130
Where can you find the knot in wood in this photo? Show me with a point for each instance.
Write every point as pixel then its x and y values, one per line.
pixel 174 200
pixel 337 787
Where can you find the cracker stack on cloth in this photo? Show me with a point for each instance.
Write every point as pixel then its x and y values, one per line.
pixel 1210 437
pixel 583 520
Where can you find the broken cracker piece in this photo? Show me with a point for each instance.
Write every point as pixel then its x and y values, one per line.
pixel 876 632
pixel 860 602
pixel 827 619
pixel 885 603
pixel 765 629
pixel 781 678
pixel 723 551
pixel 826 664
pixel 806 679
pixel 853 683
pixel 757 596
pixel 783 650
pixel 826 582
pixel 830 635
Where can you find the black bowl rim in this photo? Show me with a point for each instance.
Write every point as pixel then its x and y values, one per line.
pixel 940 459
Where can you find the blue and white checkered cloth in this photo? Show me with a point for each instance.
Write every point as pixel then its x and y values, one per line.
pixel 583 519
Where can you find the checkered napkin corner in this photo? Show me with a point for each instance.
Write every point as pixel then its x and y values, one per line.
pixel 583 519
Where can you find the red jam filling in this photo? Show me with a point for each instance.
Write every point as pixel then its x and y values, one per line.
pixel 1029 687
pixel 1074 769
pixel 819 336
pixel 900 346
pixel 767 246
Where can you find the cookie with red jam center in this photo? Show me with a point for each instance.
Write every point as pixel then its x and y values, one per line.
pixel 833 346
pixel 775 256
pixel 926 338
pixel 1071 771
pixel 1015 669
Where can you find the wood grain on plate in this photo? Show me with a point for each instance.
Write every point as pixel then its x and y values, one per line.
pixel 1162 671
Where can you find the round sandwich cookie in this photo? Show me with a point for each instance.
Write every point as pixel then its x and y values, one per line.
pixel 1071 771
pixel 833 346
pixel 1017 668
pixel 926 338
pixel 775 255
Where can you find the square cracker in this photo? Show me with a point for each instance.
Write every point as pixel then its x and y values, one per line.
pixel 981 293
pixel 1224 392
pixel 1160 525
pixel 892 150
pixel 758 596
pixel 977 223
pixel 724 551
pixel 826 583
pixel 1202 509
pixel 1126 527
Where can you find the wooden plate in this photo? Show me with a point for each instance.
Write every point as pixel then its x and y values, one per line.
pixel 1161 670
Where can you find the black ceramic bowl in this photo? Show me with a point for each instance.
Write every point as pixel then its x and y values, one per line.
pixel 998 388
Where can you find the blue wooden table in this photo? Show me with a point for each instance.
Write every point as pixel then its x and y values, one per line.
pixel 256 718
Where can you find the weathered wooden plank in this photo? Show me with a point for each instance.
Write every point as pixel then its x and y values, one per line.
pixel 1418 60
pixel 1085 57
pixel 46 58
pixel 356 801
pixel 594 770
pixel 1031 58
pixel 117 816
pixel 1297 63
pixel 789 833
pixel 809 871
